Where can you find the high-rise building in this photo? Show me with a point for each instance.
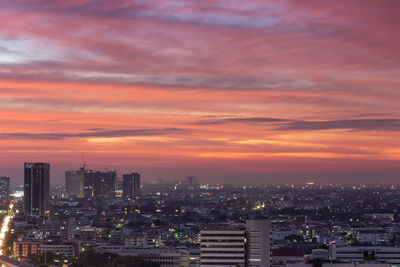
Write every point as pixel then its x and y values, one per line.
pixel 91 183
pixel 74 182
pixel 131 185
pixel 223 247
pixel 36 189
pixel 227 246
pixel 191 180
pixel 258 245
pixel 4 187
pixel 105 184
pixel 88 183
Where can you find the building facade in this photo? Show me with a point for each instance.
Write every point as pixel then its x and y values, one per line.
pixel 36 189
pixel 258 236
pixel 74 182
pixel 163 256
pixel 131 185
pixel 227 246
pixel 365 254
pixel 23 248
pixel 89 183
pixel 222 247
pixel 374 235
pixel 57 229
pixel 105 184
pixel 66 249
pixel 4 187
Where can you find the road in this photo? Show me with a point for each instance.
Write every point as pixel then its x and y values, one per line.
pixel 5 226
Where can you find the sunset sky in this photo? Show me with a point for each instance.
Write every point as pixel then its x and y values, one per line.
pixel 229 91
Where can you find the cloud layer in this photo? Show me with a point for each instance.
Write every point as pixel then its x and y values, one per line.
pixel 262 88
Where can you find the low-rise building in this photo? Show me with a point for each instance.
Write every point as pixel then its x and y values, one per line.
pixel 365 254
pixel 163 256
pixel 288 255
pixel 66 249
pixel 23 248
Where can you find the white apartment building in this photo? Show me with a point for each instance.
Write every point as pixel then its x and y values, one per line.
pixel 222 247
pixel 365 254
pixel 228 246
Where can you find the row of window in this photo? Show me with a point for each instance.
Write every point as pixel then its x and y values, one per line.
pixel 203 252
pixel 222 246
pixel 222 240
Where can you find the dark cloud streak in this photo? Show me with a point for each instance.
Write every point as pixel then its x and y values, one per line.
pixel 357 125
pixel 303 125
pixel 241 120
pixel 94 134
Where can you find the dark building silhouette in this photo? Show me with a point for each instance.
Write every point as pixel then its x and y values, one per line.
pixel 191 180
pixel 131 185
pixel 89 183
pixel 74 181
pixel 4 187
pixel 105 184
pixel 191 183
pixel 99 184
pixel 36 189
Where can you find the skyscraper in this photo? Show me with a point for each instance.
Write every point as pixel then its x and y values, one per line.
pixel 74 181
pixel 131 185
pixel 36 189
pixel 191 183
pixel 105 184
pixel 4 187
pixel 89 183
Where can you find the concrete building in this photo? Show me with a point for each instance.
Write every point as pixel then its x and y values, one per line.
pixel 91 183
pixel 163 256
pixel 365 254
pixel 320 253
pixel 23 248
pixel 258 236
pixel 105 184
pixel 223 246
pixel 136 239
pixel 74 182
pixel 191 181
pixel 36 189
pixel 4 187
pixel 66 249
pixel 131 185
pixel 373 235
pixel 287 255
pixel 59 229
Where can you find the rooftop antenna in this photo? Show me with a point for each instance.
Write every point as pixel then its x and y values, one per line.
pixel 109 165
pixel 83 161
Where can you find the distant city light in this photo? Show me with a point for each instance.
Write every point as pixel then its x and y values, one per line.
pixel 17 194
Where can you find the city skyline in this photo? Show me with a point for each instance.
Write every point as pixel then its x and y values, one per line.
pixel 262 91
